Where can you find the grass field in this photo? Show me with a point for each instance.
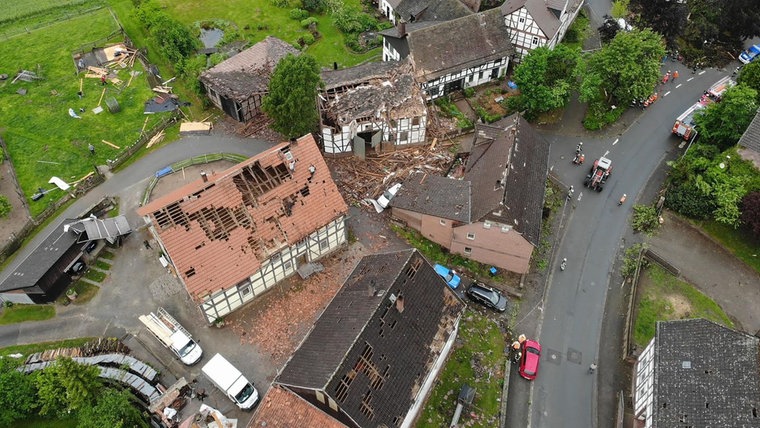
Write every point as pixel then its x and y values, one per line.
pixel 738 241
pixel 262 18
pixel 664 297
pixel 18 17
pixel 477 360
pixel 43 140
pixel 21 313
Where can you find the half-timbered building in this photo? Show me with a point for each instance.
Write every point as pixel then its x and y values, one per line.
pixel 452 55
pixel 534 23
pixel 233 235
pixel 237 86
pixel 373 107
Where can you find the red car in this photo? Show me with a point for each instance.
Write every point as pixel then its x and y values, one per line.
pixel 529 361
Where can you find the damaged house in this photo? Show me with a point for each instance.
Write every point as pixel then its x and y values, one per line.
pixel 426 10
pixel 534 23
pixel 453 55
pixel 372 356
pixel 371 107
pixel 491 210
pixel 233 235
pixel 237 86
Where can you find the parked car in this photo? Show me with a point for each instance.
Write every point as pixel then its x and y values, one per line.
pixel 530 357
pixel 90 246
pixel 77 267
pixel 750 54
pixel 386 197
pixel 487 296
pixel 449 275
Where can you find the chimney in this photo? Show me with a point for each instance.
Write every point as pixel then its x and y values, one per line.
pixel 204 177
pixel 401 28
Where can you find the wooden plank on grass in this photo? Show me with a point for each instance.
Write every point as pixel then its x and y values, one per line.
pixel 110 144
pixel 98 70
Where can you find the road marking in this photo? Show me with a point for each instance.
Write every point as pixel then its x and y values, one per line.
pixel 678 86
pixel 606 153
pixel 702 72
pixel 665 94
pixel 689 79
pixel 683 143
pixel 580 195
pixel 616 141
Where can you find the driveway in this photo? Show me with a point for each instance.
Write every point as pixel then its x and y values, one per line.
pixel 711 268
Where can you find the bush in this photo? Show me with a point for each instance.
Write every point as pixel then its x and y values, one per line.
pixel 306 39
pixel 299 14
pixel 316 6
pixel 750 216
pixel 600 114
pixel 631 260
pixel 485 116
pixel 350 21
pixel 5 206
pixel 306 23
pixel 645 218
pixel 469 92
pixel 688 200
pixel 281 3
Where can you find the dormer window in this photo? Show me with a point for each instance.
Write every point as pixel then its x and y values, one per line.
pixel 486 224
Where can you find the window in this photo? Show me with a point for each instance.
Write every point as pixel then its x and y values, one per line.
pixel 416 121
pixel 287 265
pixel 522 19
pixel 471 236
pixel 506 229
pixel 535 40
pixel 472 77
pixel 320 396
pixel 467 251
pixel 333 404
pixel 244 288
pixel 442 222
pixel 324 244
pixel 486 224
pixel 404 136
pixel 480 75
pixel 434 91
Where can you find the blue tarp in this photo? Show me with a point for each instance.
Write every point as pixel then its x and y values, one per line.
pixel 162 172
pixel 511 84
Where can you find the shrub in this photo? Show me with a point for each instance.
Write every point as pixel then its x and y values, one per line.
pixel 299 14
pixel 645 218
pixel 631 260
pixel 281 3
pixel 686 199
pixel 316 6
pixel 306 39
pixel 306 23
pixel 349 21
pixel 750 216
pixel 469 92
pixel 5 206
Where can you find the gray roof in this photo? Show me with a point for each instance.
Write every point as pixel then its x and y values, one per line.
pixel 454 45
pixel 108 228
pixel 431 10
pixel 358 74
pixel 436 196
pixel 392 95
pixel 364 320
pixel 541 12
pixel 705 373
pixel 39 261
pixel 249 71
pixel 751 137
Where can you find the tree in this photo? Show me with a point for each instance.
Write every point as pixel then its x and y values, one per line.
pixel 66 386
pixel 609 29
pixel 5 206
pixel 546 78
pixel 627 68
pixel 723 123
pixel 750 76
pixel 663 16
pixel 645 218
pixel 750 216
pixel 17 393
pixel 620 8
pixel 291 101
pixel 114 409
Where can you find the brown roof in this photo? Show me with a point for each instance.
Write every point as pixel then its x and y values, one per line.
pixel 219 232
pixel 280 408
pixel 436 196
pixel 452 46
pixel 249 71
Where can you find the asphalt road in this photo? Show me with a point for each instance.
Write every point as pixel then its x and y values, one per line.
pixel 564 394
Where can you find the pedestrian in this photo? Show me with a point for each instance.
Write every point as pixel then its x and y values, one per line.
pixel 103 79
pixel 592 368
pixel 91 148
pixel 147 245
pixel 675 75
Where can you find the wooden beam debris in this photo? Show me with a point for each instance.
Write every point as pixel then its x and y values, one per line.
pixel 110 144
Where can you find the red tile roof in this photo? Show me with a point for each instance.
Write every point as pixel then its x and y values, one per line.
pixel 219 232
pixel 281 408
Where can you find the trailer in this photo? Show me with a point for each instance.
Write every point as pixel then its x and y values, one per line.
pixel 172 335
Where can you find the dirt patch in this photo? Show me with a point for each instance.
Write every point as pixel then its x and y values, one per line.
pixel 19 215
pixel 679 305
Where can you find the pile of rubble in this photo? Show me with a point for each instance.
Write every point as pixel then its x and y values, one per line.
pixel 359 179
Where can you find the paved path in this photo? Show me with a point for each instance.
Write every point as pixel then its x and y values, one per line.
pixel 711 268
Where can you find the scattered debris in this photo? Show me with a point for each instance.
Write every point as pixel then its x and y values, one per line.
pixel 113 105
pixel 163 89
pixel 73 114
pixel 26 76
pixel 21 91
pixel 110 144
pixel 155 139
pixel 161 103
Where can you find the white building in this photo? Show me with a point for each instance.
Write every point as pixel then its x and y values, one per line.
pixel 534 23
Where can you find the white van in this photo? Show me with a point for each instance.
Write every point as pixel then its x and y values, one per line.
pixel 229 379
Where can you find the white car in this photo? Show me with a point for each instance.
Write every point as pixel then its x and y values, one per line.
pixel 386 197
pixel 750 54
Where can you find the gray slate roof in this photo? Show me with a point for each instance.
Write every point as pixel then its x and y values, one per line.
pixel 454 45
pixel 436 196
pixel 751 137
pixel 358 74
pixel 431 10
pixel 39 261
pixel 362 320
pixel 540 11
pixel 108 228
pixel 249 71
pixel 707 373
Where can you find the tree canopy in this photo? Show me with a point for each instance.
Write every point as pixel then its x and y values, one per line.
pixel 546 78
pixel 114 409
pixel 291 101
pixel 67 386
pixel 16 393
pixel 750 76
pixel 663 16
pixel 627 68
pixel 723 123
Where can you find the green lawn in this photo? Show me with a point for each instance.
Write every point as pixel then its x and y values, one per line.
pixel 100 264
pixel 43 140
pixel 738 241
pixel 263 19
pixel 20 313
pixel 95 275
pixel 44 346
pixel 85 292
pixel 665 297
pixel 477 360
